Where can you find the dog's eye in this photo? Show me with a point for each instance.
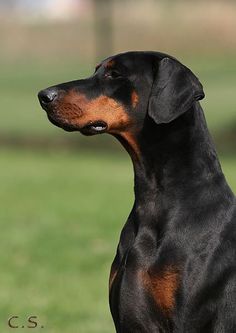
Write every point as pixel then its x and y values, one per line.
pixel 113 75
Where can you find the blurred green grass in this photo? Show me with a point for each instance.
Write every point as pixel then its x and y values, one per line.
pixel 59 230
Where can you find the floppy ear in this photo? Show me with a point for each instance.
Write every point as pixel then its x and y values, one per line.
pixel 175 89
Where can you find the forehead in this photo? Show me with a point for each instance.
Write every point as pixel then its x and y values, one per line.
pixel 128 61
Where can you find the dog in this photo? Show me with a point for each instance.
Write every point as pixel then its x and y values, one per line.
pixel 175 266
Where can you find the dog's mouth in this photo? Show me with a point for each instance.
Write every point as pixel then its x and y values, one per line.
pixel 91 128
pixel 94 127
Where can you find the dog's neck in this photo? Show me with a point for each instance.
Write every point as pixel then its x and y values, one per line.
pixel 175 153
pixel 175 161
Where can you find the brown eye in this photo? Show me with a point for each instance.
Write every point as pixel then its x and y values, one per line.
pixel 113 74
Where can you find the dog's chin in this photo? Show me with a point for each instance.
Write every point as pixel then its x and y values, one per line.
pixel 65 126
pixel 92 128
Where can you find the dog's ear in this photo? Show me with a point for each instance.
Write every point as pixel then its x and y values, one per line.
pixel 175 89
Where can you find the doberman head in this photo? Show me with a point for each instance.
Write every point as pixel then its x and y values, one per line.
pixel 123 92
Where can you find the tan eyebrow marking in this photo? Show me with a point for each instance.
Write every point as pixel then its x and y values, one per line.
pixel 110 63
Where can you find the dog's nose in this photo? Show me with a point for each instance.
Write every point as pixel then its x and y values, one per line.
pixel 47 96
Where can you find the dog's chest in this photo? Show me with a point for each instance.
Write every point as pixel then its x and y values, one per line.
pixel 140 294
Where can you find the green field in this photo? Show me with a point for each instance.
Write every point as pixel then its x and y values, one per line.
pixel 59 230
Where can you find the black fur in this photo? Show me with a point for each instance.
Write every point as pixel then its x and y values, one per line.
pixel 184 214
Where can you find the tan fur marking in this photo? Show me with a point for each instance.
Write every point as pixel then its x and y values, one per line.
pixel 130 139
pixel 110 63
pixel 134 99
pixel 163 287
pixel 77 110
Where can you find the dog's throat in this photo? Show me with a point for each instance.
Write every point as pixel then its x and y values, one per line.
pixel 129 142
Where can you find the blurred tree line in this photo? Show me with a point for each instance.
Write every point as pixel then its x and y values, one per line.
pixel 103 10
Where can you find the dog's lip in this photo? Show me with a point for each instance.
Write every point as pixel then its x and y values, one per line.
pixel 62 124
pixel 94 127
pixel 91 128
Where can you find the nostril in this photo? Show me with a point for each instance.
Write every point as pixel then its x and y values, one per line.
pixel 47 96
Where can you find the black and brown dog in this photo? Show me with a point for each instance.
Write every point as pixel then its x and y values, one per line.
pixel 175 267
